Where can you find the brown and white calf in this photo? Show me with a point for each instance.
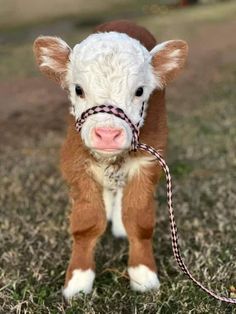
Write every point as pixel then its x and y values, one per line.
pixel 120 64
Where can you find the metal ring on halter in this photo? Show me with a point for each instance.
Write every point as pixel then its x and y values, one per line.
pixel 118 112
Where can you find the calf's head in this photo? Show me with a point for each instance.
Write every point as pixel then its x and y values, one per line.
pixel 112 69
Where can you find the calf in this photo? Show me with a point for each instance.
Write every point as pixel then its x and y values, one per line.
pixel 120 64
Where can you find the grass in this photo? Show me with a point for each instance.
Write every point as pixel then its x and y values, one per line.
pixel 35 243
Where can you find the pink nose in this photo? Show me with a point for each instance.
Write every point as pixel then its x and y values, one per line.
pixel 107 138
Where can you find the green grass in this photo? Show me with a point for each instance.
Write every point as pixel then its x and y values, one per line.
pixel 35 243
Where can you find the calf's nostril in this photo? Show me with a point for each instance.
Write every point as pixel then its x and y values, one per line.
pixel 117 135
pixel 98 134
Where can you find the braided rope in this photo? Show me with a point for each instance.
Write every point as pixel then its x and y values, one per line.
pixel 136 145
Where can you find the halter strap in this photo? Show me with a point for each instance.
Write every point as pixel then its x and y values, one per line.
pixel 118 112
pixel 115 111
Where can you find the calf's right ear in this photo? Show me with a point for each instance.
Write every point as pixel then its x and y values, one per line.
pixel 52 57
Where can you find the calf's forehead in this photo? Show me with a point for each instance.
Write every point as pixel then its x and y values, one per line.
pixel 109 54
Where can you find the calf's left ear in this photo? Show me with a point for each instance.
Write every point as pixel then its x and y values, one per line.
pixel 52 56
pixel 168 59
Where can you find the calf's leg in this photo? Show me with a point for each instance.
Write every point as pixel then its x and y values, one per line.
pixel 87 224
pixel 139 221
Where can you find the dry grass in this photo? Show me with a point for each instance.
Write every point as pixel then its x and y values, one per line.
pixel 35 244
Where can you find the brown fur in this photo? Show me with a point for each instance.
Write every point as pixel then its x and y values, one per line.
pixel 88 219
pixel 131 29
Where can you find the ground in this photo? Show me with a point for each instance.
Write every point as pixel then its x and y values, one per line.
pixel 35 244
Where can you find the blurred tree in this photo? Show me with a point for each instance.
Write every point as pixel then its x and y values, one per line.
pixel 188 2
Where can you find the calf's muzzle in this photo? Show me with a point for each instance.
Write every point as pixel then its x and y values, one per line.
pixel 105 138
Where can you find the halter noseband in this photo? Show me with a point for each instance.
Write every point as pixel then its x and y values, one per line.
pixel 115 111
pixel 135 145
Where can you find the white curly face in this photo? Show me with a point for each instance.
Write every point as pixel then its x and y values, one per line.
pixel 109 68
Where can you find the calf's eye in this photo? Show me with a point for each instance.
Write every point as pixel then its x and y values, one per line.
pixel 139 92
pixel 79 91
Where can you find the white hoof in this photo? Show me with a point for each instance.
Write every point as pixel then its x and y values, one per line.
pixel 143 279
pixel 81 281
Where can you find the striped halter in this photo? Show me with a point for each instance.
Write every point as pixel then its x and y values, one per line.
pixel 135 145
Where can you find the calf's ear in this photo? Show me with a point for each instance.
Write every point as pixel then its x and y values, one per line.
pixel 52 56
pixel 168 59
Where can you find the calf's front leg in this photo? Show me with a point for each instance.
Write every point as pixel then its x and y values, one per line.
pixel 139 221
pixel 87 224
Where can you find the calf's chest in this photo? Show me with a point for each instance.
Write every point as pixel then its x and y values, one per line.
pixel 114 177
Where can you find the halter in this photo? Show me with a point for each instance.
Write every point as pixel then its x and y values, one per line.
pixel 135 145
